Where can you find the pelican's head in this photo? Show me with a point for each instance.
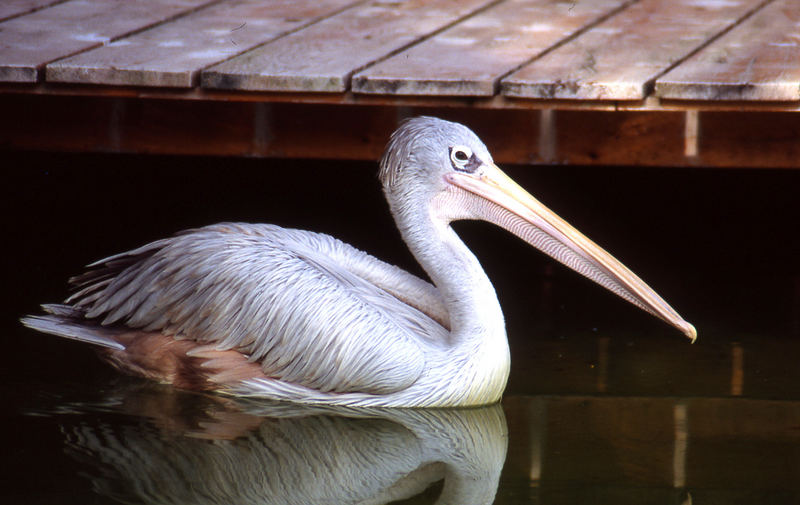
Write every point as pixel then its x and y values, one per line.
pixel 424 149
pixel 443 168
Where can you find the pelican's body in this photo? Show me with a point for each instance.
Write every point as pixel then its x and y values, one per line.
pixel 287 314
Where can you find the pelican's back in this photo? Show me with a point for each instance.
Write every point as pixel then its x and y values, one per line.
pixel 281 298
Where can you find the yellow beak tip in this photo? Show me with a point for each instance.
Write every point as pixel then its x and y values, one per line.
pixel 690 331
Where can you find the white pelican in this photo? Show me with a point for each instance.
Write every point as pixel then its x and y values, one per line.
pixel 259 310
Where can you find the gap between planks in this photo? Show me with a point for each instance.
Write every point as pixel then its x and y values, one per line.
pixel 632 50
pixel 131 61
pixel 424 38
pixel 567 40
pixel 710 41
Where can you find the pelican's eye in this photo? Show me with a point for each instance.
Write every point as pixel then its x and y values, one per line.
pixel 463 159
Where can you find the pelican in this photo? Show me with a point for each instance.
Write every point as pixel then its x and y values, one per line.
pixel 262 311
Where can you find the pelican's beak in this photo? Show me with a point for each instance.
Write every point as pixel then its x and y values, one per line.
pixel 513 208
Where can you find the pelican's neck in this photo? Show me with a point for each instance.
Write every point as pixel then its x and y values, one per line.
pixel 468 295
pixel 476 357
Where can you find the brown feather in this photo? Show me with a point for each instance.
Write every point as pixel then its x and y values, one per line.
pixel 184 363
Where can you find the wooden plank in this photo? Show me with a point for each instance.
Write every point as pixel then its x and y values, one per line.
pixel 634 138
pixel 757 60
pixel 172 54
pixel 12 8
pixel 759 139
pixel 356 131
pixel 469 58
pixel 323 56
pixel 496 102
pixel 621 58
pixel 29 42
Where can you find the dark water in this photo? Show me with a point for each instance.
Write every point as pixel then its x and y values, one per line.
pixel 604 404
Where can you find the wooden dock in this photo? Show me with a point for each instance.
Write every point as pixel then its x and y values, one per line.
pixel 599 82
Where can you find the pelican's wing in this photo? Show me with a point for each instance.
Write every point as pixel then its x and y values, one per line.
pixel 275 295
pixel 409 288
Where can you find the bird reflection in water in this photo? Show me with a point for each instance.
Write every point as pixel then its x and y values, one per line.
pixel 207 449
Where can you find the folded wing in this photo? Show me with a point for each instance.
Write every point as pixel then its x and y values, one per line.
pixel 282 297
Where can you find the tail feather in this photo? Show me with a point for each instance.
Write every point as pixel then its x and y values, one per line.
pixel 63 311
pixel 62 322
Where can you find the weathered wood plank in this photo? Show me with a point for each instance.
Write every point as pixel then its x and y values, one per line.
pixel 749 140
pixel 757 60
pixel 355 131
pixel 323 56
pixel 172 54
pixel 11 8
pixel 469 58
pixel 496 102
pixel 621 58
pixel 29 42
